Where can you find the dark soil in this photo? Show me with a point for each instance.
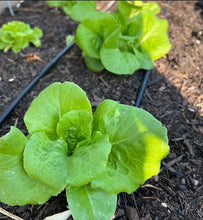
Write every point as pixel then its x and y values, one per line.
pixel 174 95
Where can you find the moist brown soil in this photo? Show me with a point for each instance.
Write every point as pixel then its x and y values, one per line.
pixel 174 95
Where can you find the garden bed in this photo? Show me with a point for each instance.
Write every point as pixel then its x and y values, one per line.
pixel 174 95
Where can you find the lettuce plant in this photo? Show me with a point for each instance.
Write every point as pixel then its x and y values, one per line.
pixel 125 41
pixel 17 35
pixel 76 9
pixel 92 156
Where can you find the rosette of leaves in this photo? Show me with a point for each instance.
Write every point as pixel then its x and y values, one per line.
pixel 92 157
pixel 17 35
pixel 125 41
pixel 76 9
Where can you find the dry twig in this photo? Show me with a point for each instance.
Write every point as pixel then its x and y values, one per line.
pixel 175 160
pixel 150 197
pixel 105 83
pixel 10 215
pixel 169 167
pixel 151 186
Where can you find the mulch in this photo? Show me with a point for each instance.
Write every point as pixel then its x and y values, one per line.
pixel 174 95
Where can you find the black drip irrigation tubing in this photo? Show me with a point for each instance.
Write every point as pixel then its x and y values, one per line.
pixel 142 89
pixel 51 64
pixel 144 83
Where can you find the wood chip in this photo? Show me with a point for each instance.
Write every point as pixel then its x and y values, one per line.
pixel 189 147
pixel 175 160
pixel 178 139
pixel 169 191
pixel 169 167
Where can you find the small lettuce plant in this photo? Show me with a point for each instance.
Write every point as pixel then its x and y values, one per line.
pixel 92 156
pixel 76 9
pixel 17 35
pixel 125 41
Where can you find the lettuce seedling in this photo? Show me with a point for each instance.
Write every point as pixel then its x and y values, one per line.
pixel 76 9
pixel 92 156
pixel 125 41
pixel 17 35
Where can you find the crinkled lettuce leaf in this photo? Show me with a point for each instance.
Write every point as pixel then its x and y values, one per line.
pixel 125 41
pixel 154 37
pixel 51 104
pixel 153 6
pixel 81 9
pixel 88 160
pixel 127 13
pixel 92 157
pixel 76 9
pixel 17 35
pixel 114 59
pixel 17 188
pixel 139 143
pixel 75 126
pixel 45 160
pixel 93 30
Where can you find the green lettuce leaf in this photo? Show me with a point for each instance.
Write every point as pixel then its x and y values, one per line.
pixel 125 41
pixel 143 58
pixel 17 188
pixel 81 9
pixel 139 143
pixel 154 39
pixel 69 39
pixel 67 6
pixel 93 64
pixel 127 13
pixel 88 160
pixel 51 104
pixel 74 127
pixel 58 3
pixel 17 35
pixel 45 160
pixel 153 6
pixel 92 204
pixel 76 9
pixel 116 60
pixel 92 31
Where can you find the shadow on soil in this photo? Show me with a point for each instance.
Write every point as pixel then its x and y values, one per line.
pixel 199 7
